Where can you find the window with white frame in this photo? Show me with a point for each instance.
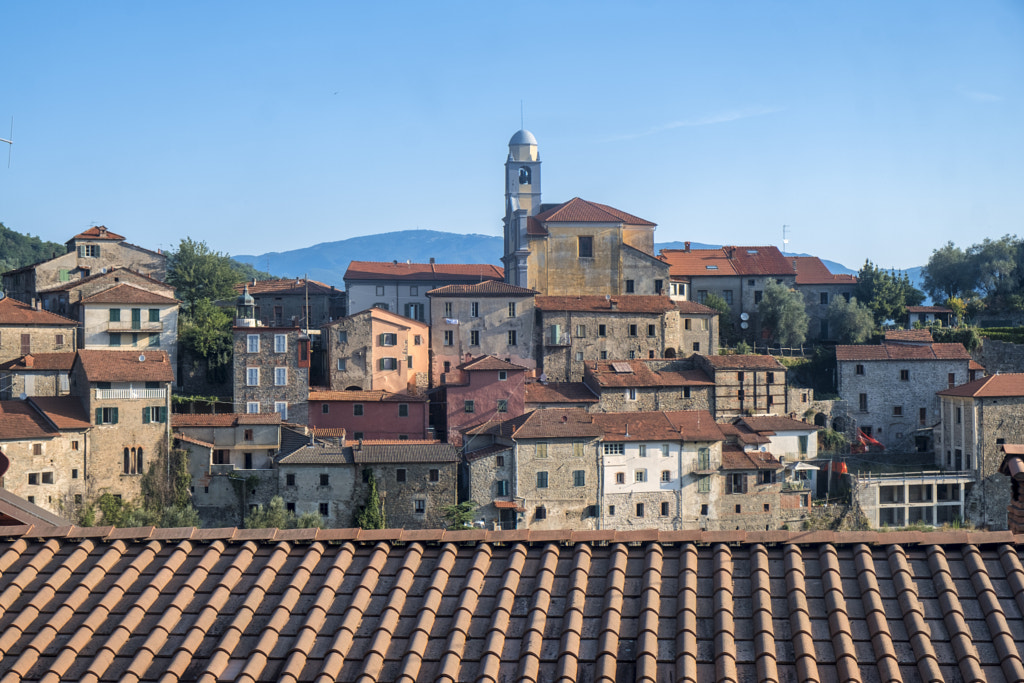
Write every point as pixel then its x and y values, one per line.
pixel 280 377
pixel 252 343
pixel 631 394
pixel 614 449
pixel 342 365
pixel 280 343
pixel 640 476
pixel 252 377
pixel 252 407
pixel 281 407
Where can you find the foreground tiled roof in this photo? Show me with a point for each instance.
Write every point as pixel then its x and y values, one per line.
pixel 224 419
pixel 625 303
pixel 41 362
pixel 437 272
pixel 14 312
pixel 903 351
pixel 125 366
pixel 392 605
pixel 578 210
pixel 485 288
pixel 559 392
pixel 993 386
pixel 128 294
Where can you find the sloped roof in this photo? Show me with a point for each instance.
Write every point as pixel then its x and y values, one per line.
pixel 487 288
pixel 375 313
pixel 810 270
pixel 637 373
pixel 188 439
pixel 559 392
pixel 578 210
pixel 405 451
pixel 434 605
pixel 728 261
pixel 776 423
pixel 369 396
pixel 285 286
pixel 125 366
pixel 738 459
pixel 745 361
pixel 436 272
pixel 694 308
pixel 902 351
pixel 15 510
pixel 114 273
pixel 490 363
pixel 41 362
pixel 20 421
pixel 224 419
pixel 97 232
pixel 128 294
pixel 14 312
pixel 625 303
pixel 993 386
pixel 923 336
pixel 557 423
pixel 65 412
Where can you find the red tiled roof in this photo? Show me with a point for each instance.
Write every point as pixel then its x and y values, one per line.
pixel 329 432
pixel 284 286
pixel 65 412
pixel 975 365
pixel 759 261
pixel 694 308
pixel 14 312
pixel 223 419
pixel 486 288
pixel 993 386
pixel 370 396
pixel 776 423
pixel 41 362
pixel 611 374
pixel 747 361
pixel 578 210
pixel 737 459
pixel 902 351
pixel 20 421
pixel 377 314
pixel 554 423
pixel 559 392
pixel 188 439
pixel 625 303
pixel 922 335
pixel 128 294
pixel 728 261
pixel 125 366
pixel 490 363
pixel 810 270
pixel 111 274
pixel 15 510
pixel 97 232
pixel 405 451
pixel 433 605
pixel 438 272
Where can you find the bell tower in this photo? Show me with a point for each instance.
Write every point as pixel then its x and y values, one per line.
pixel 522 200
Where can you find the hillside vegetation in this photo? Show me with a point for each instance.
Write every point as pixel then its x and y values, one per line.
pixel 17 250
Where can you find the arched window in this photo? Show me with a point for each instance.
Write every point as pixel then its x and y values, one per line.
pixel 138 461
pixel 127 460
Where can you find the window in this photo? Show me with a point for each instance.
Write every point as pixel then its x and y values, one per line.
pixel 727 296
pixel 863 400
pixel 252 343
pixel 581 331
pixel 33 479
pixel 579 478
pixel 358 436
pixel 403 410
pixel 434 475
pixel 640 476
pixel 579 356
pixel 342 365
pixel 280 377
pixel 449 337
pixel 736 483
pixel 388 363
pixel 630 286
pixel 922 416
pixel 380 290
pixel 115 339
pixel 502 487
pixel 803 444
pixel 324 509
pixel 252 407
pixel 448 309
pixel 474 338
pixel 541 512
pixel 897 411
pixel 904 375
pixel 951 380
pixel 419 506
pixel 666 476
pixel 280 343
pixel 342 336
pixel 499 461
pixel 281 408
pixel 414 290
pixel 703 458
pixel 632 330
pixel 154 315
pixel 664 509
pixel 758 295
pixel 614 449
pixel 542 480
pixel 696 346
pixel 686 392
pixel 604 355
pixel 585 246
pixel 764 477
pixel 658 286
pixel 651 330
pixel 58 340
pixel 823 299
pixel 502 405
pixel 513 338
pixel 739 508
pixel 512 309
pixel 502 375
pixel 154 339
pixel 388 339
pixel 639 509
pixel 154 414
pixel 37 449
pixel 611 510
pixel 643 450
pixel 252 377
pixel 469 407
pixel 602 331
pixel 542 450
pixel 474 309
pixel 769 378
pixel 106 416
pixel 859 369
pixel 959 415
pixel 357 409
pixel 620 477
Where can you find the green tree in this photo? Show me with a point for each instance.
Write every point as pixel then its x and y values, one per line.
pixel 17 250
pixel 459 516
pixel 783 314
pixel 832 441
pixel 726 325
pixel 995 261
pixel 959 308
pixel 372 516
pixel 886 294
pixel 276 516
pixel 197 272
pixel 166 499
pixel 950 272
pixel 851 322
pixel 206 332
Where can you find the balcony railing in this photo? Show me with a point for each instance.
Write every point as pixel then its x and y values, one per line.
pixel 129 326
pixel 130 393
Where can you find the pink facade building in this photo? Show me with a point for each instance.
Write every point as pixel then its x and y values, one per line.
pixel 370 415
pixel 488 389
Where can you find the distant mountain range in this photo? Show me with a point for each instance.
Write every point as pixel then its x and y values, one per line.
pixel 328 261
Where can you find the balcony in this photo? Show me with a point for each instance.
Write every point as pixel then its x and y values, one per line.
pixel 130 393
pixel 130 326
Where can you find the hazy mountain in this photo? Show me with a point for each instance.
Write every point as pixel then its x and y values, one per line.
pixel 328 261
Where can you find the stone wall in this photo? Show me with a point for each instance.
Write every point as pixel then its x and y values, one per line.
pixel 483 475
pixel 42 339
pixel 294 392
pixel 760 508
pixel 563 362
pixel 491 326
pixel 48 472
pixel 1000 357
pixel 616 400
pixel 400 497
pixel 565 506
pixel 309 491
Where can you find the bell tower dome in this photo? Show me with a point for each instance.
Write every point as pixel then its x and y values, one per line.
pixel 522 200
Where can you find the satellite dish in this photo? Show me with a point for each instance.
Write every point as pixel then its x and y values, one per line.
pixel 142 358
pixel 744 316
pixel 23 396
pixel 103 270
pixel 2 295
pixel 744 325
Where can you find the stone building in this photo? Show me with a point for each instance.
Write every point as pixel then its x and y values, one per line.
pixel 820 287
pixel 43 443
pixel 377 350
pixel 371 415
pixel 127 397
pixel 229 456
pixel 574 247
pixel 787 439
pixel 694 328
pixel 751 497
pixel 37 374
pixel 88 253
pixel 26 330
pixel 415 479
pixel 486 318
pixel 298 302
pixel 890 388
pixel 64 299
pixel 643 385
pixel 402 287
pixel 317 475
pixel 575 329
pixel 488 389
pixel 271 371
pixel 746 384
pixel 540 395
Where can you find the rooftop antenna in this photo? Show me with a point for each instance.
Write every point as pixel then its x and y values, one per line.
pixel 784 240
pixel 10 143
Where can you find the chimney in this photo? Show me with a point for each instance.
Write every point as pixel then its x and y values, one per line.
pixel 686 246
pixel 613 304
pixel 29 361
pixel 432 260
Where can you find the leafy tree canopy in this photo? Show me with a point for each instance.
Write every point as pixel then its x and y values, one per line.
pixel 726 324
pixel 206 332
pixel 17 250
pixel 276 516
pixel 851 322
pixel 949 273
pixel 372 516
pixel 886 293
pixel 166 499
pixel 783 314
pixel 196 272
pixel 459 516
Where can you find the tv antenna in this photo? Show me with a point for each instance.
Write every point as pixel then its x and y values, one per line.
pixel 784 240
pixel 10 143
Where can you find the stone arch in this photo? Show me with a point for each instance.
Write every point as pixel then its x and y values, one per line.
pixel 820 420
pixel 670 352
pixel 353 388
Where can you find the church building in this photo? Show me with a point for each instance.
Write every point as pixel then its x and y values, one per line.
pixel 574 248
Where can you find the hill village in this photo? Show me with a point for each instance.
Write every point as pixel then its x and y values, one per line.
pixel 582 386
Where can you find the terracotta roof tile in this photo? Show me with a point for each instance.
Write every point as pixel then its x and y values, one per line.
pixel 490 363
pixel 41 362
pixel 372 396
pixel 923 335
pixel 993 386
pixel 128 294
pixel 285 286
pixel 737 459
pixel 557 423
pixel 431 272
pixel 125 366
pixel 487 288
pixel 65 412
pixel 902 351
pixel 638 373
pixel 625 303
pixel 694 308
pixel 97 232
pixel 223 419
pixel 728 261
pixel 747 361
pixel 578 210
pixel 16 313
pixel 20 421
pixel 559 392
pixel 810 270
pixel 776 423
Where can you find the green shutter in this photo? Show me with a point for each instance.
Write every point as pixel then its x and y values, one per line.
pixel 163 413
pixel 99 416
pixel 145 415
pixel 154 315
pixel 114 416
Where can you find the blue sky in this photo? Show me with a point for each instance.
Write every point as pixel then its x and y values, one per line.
pixel 873 129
